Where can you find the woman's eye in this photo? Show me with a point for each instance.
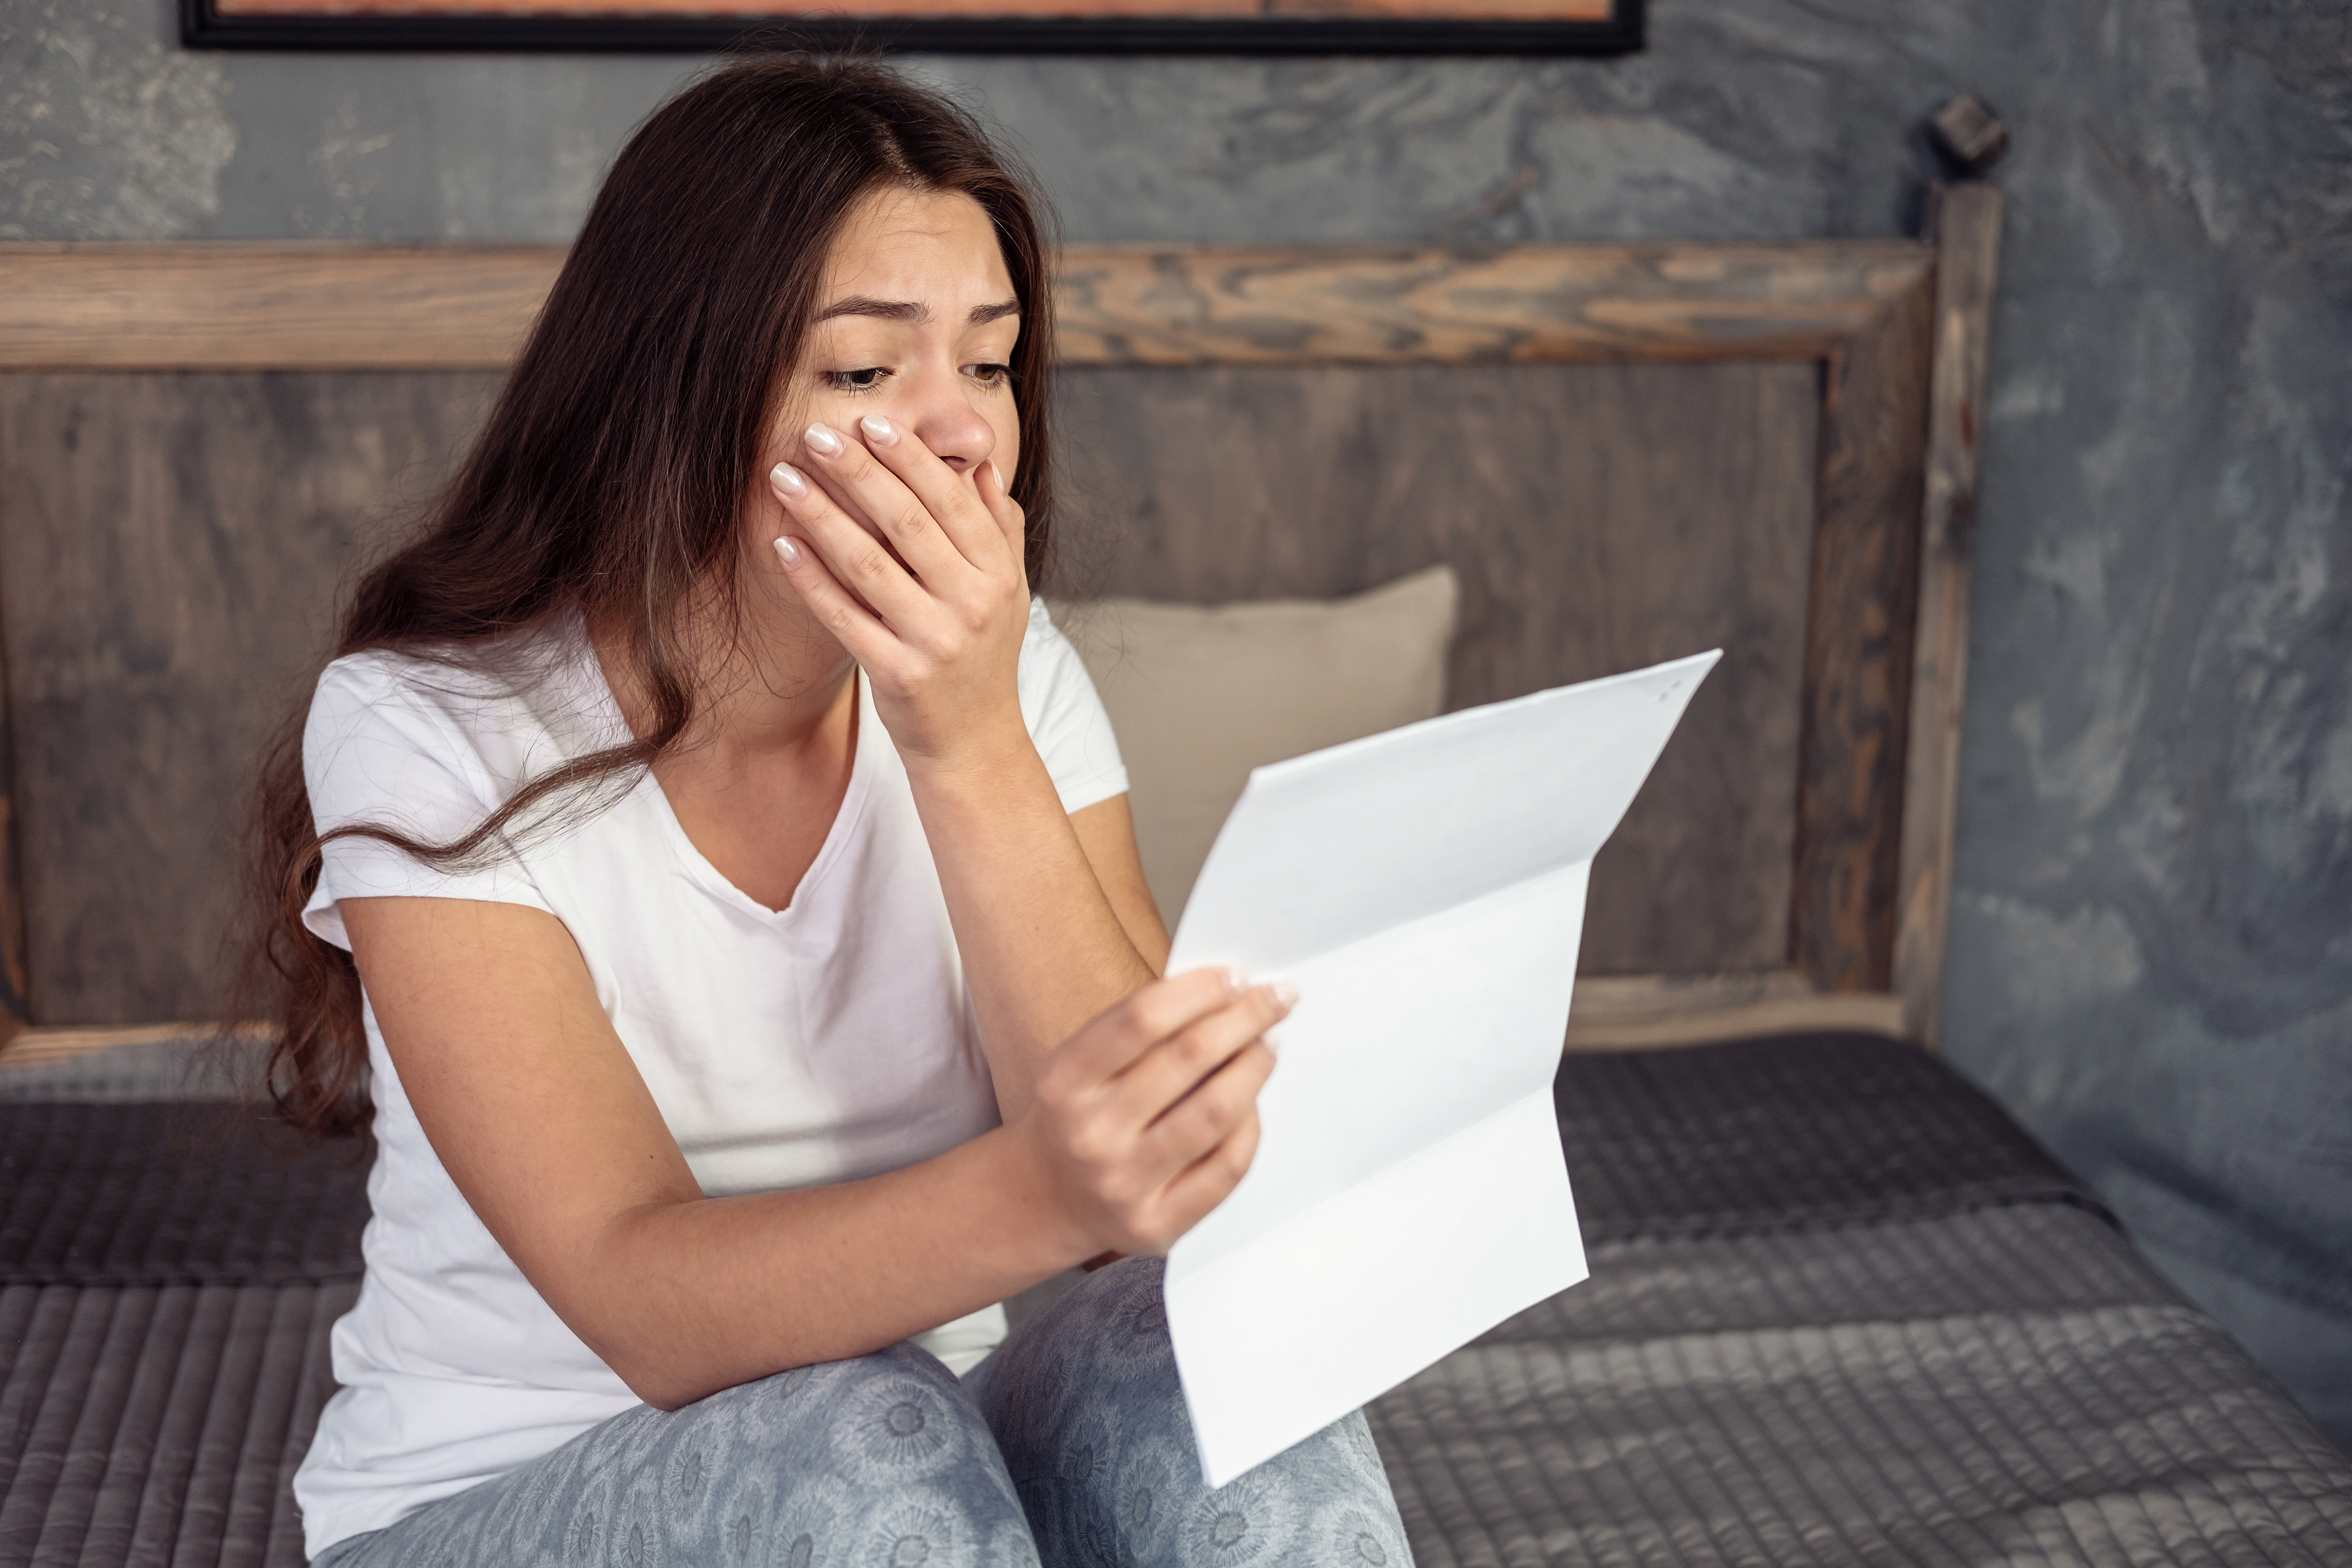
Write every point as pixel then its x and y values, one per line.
pixel 990 375
pixel 864 380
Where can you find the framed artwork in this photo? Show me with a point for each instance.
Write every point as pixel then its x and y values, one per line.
pixel 1015 26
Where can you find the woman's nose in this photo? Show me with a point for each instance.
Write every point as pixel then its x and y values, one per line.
pixel 943 419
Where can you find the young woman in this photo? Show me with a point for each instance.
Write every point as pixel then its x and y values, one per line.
pixel 707 872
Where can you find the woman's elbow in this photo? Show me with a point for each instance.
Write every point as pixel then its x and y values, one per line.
pixel 665 1393
pixel 659 1375
pixel 609 1293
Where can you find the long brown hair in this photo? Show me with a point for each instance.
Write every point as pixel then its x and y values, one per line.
pixel 609 478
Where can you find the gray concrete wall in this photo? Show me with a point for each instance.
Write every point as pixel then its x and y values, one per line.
pixel 2151 954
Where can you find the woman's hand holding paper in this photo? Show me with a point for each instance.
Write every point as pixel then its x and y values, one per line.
pixel 1147 1117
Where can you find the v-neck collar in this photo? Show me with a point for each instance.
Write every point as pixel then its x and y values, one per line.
pixel 862 762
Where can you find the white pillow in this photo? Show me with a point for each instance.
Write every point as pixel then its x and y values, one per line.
pixel 1201 694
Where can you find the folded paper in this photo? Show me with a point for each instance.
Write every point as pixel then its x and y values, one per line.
pixel 1425 891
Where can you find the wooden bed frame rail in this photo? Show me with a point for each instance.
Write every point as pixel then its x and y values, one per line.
pixel 1898 327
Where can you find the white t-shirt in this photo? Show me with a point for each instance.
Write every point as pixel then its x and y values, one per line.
pixel 828 1041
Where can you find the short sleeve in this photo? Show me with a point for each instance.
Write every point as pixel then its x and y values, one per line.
pixel 1065 717
pixel 377 752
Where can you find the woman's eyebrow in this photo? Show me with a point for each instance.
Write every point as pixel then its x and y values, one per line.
pixel 888 309
pixel 908 310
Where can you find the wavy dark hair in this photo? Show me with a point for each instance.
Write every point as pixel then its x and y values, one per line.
pixel 609 479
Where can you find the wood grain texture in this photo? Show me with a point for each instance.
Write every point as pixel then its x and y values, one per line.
pixel 16 1008
pixel 1858 658
pixel 1600 517
pixel 1968 225
pixel 318 307
pixel 1289 306
pixel 268 307
pixel 170 546
pixel 1654 1012
pixel 36 1047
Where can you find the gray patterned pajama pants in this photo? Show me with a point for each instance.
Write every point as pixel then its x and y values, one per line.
pixel 1068 1445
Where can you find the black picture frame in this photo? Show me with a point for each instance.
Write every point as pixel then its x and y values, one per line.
pixel 202 26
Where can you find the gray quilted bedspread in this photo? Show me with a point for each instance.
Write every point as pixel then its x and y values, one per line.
pixel 1841 1312
pixel 2010 1385
pixel 159 1424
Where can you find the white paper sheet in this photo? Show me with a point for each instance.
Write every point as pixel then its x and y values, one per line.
pixel 1425 891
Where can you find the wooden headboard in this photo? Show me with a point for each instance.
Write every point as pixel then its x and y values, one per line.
pixel 1626 451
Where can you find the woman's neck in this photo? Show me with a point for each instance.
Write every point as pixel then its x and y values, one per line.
pixel 759 776
pixel 765 680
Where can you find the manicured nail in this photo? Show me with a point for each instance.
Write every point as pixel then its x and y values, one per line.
pixel 879 430
pixel 789 552
pixel 788 482
pixel 1285 994
pixel 1273 1042
pixel 997 473
pixel 822 440
pixel 1237 982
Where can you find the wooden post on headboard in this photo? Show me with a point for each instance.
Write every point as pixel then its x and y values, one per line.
pixel 1966 232
pixel 15 983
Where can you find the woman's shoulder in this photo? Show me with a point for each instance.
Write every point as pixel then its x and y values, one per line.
pixel 523 696
pixel 383 674
pixel 1065 716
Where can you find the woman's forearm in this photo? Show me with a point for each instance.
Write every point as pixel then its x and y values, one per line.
pixel 683 1298
pixel 1043 949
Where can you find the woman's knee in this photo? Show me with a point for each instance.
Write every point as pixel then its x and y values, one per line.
pixel 1102 1343
pixel 880 1460
pixel 1090 1412
pixel 1112 1324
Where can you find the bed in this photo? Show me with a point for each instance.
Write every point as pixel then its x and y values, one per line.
pixel 1841 1310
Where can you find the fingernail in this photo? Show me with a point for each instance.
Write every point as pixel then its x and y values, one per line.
pixel 788 552
pixel 788 482
pixel 820 440
pixel 1237 982
pixel 1285 994
pixel 879 430
pixel 1273 1042
pixel 997 473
